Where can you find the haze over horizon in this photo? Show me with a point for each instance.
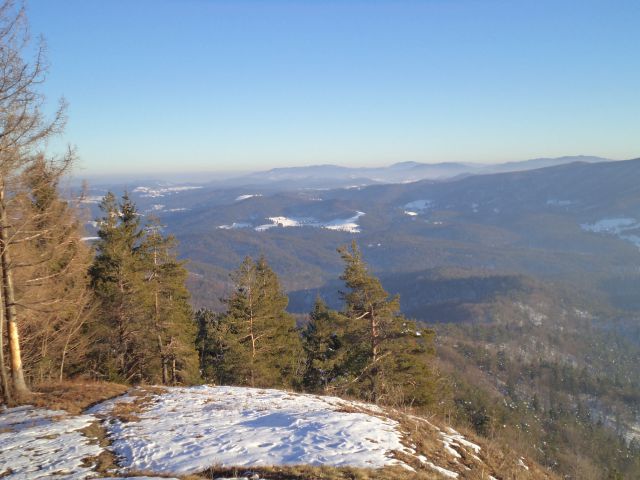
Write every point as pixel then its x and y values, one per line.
pixel 169 86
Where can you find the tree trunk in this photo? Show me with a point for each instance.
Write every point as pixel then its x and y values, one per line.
pixel 3 371
pixel 19 385
pixel 374 356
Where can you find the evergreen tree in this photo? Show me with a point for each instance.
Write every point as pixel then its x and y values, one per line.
pixel 262 344
pixel 117 278
pixel 388 358
pixel 211 346
pixel 169 307
pixel 324 347
pixel 145 332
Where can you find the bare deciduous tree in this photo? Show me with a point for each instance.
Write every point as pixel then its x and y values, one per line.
pixel 23 131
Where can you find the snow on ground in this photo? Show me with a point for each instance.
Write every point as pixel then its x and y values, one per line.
pixel 418 206
pixel 346 225
pixel 616 226
pixel 235 226
pixel 37 443
pixel 157 192
pixel 191 429
pixel 455 439
pixel 340 224
pixel 246 197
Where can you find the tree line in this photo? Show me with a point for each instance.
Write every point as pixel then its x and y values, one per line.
pixel 367 350
pixel 119 310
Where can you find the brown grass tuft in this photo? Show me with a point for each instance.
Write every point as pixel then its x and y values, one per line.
pixel 74 397
pixel 129 411
pixel 307 472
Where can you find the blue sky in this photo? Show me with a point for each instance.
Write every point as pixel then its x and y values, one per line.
pixel 159 85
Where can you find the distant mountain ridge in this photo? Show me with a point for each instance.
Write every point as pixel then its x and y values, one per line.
pixel 335 176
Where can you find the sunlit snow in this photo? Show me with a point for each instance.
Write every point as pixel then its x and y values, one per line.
pixel 340 224
pixel 37 443
pixel 156 192
pixel 246 197
pixel 191 429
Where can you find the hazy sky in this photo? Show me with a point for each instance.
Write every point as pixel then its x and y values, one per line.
pixel 208 85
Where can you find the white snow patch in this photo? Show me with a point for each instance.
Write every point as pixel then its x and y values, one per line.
pixel 522 464
pixel 616 226
pixel 455 439
pixel 37 443
pixel 157 192
pixel 347 225
pixel 442 471
pixel 234 226
pixel 239 198
pixel 418 206
pixel 340 224
pixel 410 213
pixel 190 429
pixel 89 239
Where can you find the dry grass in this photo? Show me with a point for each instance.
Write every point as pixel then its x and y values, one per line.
pixel 306 472
pixel 73 396
pixel 143 397
pixel 499 461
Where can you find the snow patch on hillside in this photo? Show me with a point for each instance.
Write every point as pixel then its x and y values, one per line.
pixel 157 192
pixel 235 226
pixel 340 224
pixel 240 198
pixel 419 205
pixel 189 429
pixel 37 443
pixel 620 227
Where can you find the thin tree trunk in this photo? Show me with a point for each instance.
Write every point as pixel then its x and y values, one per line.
pixel 374 356
pixel 17 374
pixel 253 339
pixel 161 350
pixel 3 371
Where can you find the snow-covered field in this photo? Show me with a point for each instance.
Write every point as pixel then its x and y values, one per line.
pixel 620 227
pixel 158 192
pixel 340 224
pixel 179 431
pixel 38 443
pixel 193 428
pixel 417 206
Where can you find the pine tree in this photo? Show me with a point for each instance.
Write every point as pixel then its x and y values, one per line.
pixel 263 347
pixel 117 278
pixel 169 307
pixel 211 346
pixel 324 346
pixel 145 332
pixel 388 359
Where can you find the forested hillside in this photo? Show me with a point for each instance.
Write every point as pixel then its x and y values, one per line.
pixel 501 301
